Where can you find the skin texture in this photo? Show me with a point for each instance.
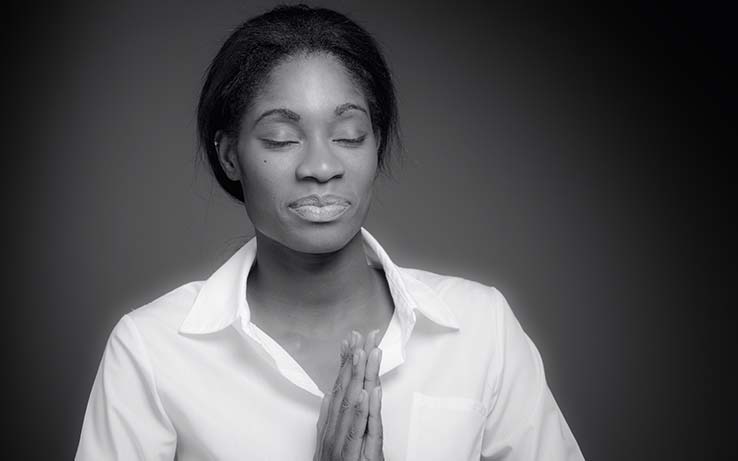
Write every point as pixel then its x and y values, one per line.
pixel 308 131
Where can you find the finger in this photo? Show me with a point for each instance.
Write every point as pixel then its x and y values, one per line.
pixel 373 363
pixel 339 388
pixel 359 340
pixel 322 417
pixel 358 367
pixel 373 441
pixel 351 397
pixel 369 345
pixel 371 340
pixel 355 435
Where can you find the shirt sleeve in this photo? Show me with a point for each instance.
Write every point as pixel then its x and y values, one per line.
pixel 524 421
pixel 125 419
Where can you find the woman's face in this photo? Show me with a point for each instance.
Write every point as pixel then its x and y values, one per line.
pixel 307 156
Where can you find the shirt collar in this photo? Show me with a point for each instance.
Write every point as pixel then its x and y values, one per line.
pixel 222 297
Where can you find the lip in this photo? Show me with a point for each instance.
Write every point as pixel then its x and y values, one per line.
pixel 319 201
pixel 319 208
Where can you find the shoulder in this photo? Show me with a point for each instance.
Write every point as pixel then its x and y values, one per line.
pixel 473 303
pixel 459 293
pixel 166 313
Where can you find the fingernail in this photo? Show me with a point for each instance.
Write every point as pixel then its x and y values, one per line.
pixel 354 339
pixel 344 350
pixel 356 358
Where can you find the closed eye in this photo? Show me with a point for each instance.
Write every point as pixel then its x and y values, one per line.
pixel 352 142
pixel 270 143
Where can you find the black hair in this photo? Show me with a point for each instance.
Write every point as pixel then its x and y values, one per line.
pixel 244 61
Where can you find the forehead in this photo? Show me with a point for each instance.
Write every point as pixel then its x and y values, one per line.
pixel 311 83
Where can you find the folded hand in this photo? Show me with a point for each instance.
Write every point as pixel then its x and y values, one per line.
pixel 350 421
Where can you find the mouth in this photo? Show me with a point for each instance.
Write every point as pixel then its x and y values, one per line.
pixel 314 208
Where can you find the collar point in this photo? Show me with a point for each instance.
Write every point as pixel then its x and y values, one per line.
pixel 188 328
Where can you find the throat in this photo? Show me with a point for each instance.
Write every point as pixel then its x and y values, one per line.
pixel 312 317
pixel 313 295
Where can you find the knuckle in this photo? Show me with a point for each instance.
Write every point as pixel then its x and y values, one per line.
pixel 345 404
pixel 337 387
pixel 352 434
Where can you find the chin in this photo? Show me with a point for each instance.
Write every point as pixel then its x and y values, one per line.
pixel 321 238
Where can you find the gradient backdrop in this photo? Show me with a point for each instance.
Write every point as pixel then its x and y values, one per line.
pixel 574 158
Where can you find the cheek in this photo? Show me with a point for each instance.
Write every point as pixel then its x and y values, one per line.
pixel 262 189
pixel 263 181
pixel 365 171
pixel 366 167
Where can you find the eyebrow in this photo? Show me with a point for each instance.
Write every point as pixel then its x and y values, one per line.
pixel 346 107
pixel 286 113
pixel 295 117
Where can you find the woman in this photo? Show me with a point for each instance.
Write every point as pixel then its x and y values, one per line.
pixel 307 343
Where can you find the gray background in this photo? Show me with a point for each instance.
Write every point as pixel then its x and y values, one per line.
pixel 574 158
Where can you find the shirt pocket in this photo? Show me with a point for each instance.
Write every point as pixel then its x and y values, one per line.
pixel 445 428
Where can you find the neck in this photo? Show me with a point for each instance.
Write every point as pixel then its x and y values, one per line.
pixel 304 290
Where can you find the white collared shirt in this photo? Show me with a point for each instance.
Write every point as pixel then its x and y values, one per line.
pixel 190 375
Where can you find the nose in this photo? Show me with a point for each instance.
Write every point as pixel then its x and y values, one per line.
pixel 319 163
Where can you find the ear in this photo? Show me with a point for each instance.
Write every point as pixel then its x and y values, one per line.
pixel 227 150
